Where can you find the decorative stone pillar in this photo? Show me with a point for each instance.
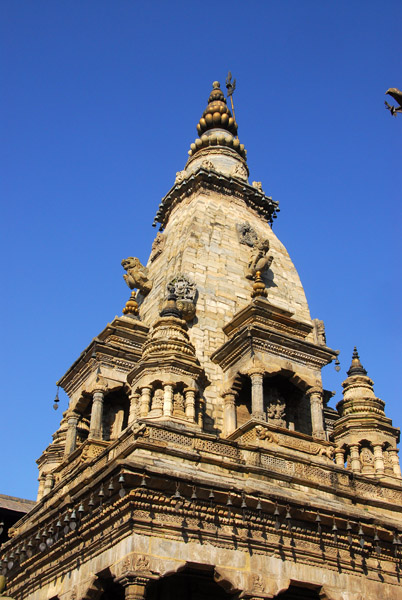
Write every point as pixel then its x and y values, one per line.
pixel 189 394
pixel 134 586
pixel 168 399
pixel 71 436
pixel 134 408
pixel 200 412
pixel 317 416
pixel 95 426
pixel 49 483
pixel 340 457
pixel 355 463
pixel 229 412
pixel 41 487
pixel 257 394
pixel 378 459
pixel 393 455
pixel 145 400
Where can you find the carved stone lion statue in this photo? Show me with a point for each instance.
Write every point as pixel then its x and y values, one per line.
pixel 137 275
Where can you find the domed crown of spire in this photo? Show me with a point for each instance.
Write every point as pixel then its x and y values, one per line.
pixel 217 126
pixel 356 367
pixel 217 113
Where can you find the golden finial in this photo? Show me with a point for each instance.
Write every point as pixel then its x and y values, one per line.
pixel 258 286
pixel 131 307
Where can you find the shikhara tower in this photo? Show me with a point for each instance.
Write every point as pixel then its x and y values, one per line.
pixel 198 455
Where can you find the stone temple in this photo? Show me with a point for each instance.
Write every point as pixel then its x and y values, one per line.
pixel 198 457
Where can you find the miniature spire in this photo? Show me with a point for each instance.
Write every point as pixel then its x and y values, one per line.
pixel 217 126
pixel 356 367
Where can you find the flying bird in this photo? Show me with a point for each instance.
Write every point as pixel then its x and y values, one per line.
pixel 396 95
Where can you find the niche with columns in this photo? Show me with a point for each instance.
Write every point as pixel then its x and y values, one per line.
pixel 175 401
pixel 116 410
pixel 369 458
pixel 283 403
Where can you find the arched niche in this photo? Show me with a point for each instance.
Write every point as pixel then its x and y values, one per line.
pixel 285 403
pixel 115 413
pixel 295 592
pixel 191 583
pixel 367 457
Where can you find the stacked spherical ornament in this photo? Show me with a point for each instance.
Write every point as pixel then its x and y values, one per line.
pixel 217 116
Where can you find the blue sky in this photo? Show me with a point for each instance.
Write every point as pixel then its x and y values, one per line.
pixel 99 107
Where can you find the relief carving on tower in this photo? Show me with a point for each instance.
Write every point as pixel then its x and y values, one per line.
pixel 240 171
pixel 157 403
pixel 276 412
pixel 137 275
pixel 179 405
pixel 246 234
pixel 207 165
pixel 157 246
pixel 180 176
pixel 185 293
pixel 258 186
pixel 260 260
pixel 319 331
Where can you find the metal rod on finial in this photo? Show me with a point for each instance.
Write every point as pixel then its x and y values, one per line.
pixel 231 88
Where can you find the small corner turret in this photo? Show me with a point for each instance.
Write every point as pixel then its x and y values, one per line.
pixel 366 439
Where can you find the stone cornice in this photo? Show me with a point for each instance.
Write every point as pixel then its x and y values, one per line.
pixel 204 179
pixel 110 522
pixel 270 341
pixel 119 345
pixel 261 311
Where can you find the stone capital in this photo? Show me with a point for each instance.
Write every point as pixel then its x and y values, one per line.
pixel 314 391
pixel 256 371
pixel 229 394
pixel 190 389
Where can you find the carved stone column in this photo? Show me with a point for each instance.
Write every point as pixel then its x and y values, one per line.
pixel 49 483
pixel 134 586
pixel 95 426
pixel 41 480
pixel 378 459
pixel 257 394
pixel 134 402
pixel 71 435
pixel 200 412
pixel 229 412
pixel 393 455
pixel 189 394
pixel 355 458
pixel 145 400
pixel 168 399
pixel 340 457
pixel 317 416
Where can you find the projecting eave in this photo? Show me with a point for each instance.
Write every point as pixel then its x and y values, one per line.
pixel 119 344
pixel 204 179
pixel 263 328
pixel 365 422
pixel 262 311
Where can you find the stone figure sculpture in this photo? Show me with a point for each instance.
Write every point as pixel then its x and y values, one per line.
pixel 246 234
pixel 137 275
pixel 185 293
pixel 259 259
pixel 396 95
pixel 276 412
pixel 157 246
